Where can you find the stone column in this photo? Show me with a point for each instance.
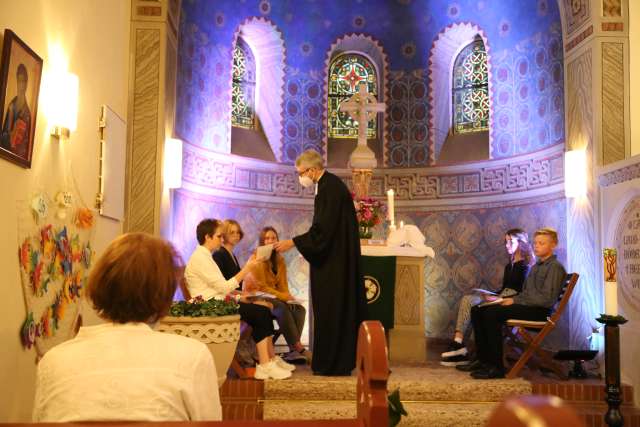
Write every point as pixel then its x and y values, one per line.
pixel 153 52
pixel 596 46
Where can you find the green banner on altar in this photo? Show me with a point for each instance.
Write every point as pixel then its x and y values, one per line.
pixel 380 281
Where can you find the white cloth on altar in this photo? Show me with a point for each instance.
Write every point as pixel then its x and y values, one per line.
pixel 410 239
pixel 127 372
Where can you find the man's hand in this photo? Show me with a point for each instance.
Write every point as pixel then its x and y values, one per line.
pixel 283 245
pixel 507 301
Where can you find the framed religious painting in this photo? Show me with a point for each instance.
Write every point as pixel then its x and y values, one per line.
pixel 20 75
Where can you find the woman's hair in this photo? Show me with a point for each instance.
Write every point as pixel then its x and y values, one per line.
pixel 207 227
pixel 226 228
pixel 273 259
pixel 135 278
pixel 525 248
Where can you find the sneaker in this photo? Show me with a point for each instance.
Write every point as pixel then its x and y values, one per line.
pixel 460 359
pixel 295 358
pixel 455 349
pixel 283 365
pixel 271 371
pixel 308 355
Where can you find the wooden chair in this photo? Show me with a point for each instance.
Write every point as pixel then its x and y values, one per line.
pixel 518 333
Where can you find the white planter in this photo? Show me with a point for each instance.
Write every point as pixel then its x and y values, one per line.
pixel 220 334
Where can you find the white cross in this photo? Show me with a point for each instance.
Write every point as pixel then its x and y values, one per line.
pixel 362 107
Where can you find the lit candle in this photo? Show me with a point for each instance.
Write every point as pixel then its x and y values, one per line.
pixel 401 224
pixel 390 203
pixel 610 284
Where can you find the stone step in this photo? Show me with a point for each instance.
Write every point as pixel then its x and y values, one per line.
pixel 436 414
pixel 432 385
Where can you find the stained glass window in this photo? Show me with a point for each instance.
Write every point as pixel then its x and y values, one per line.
pixel 345 74
pixel 470 89
pixel 243 86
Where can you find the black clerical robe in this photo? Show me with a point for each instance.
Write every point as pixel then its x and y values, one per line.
pixel 332 248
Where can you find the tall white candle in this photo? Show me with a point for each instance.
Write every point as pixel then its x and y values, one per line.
pixel 610 256
pixel 611 298
pixel 391 207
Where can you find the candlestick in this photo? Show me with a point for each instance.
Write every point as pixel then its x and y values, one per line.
pixel 613 416
pixel 391 207
pixel 610 285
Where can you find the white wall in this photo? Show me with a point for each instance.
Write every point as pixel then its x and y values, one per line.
pixel 613 200
pixel 634 71
pixel 94 35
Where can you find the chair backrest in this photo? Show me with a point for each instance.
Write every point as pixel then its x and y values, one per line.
pixel 565 294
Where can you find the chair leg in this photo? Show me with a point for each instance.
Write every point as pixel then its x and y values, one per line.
pixel 533 345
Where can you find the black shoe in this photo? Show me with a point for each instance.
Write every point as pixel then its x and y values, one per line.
pixel 488 374
pixel 476 365
pixel 455 360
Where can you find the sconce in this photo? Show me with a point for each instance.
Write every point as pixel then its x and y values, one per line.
pixel 62 103
pixel 173 163
pixel 575 173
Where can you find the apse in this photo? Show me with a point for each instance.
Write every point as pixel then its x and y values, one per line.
pixel 508 105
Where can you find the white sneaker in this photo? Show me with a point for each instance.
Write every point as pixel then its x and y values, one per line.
pixel 280 363
pixel 270 371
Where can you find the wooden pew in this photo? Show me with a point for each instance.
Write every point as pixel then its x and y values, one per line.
pixel 373 372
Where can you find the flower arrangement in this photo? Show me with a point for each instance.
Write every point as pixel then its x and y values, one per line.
pixel 368 213
pixel 199 307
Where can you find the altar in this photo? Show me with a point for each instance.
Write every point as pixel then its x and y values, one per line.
pixel 407 342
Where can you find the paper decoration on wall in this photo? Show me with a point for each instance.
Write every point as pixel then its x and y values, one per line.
pixel 64 199
pixel 54 262
pixel 40 207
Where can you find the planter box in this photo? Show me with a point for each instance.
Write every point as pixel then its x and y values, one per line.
pixel 220 334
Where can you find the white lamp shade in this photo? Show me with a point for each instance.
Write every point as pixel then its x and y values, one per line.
pixel 173 163
pixel 62 100
pixel 575 173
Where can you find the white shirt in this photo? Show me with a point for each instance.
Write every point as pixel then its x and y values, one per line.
pixel 204 277
pixel 127 372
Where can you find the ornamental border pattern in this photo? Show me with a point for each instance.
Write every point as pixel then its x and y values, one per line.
pixel 624 174
pixel 527 172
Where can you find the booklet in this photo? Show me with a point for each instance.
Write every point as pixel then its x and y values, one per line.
pixel 483 291
pixel 264 252
pixel 494 302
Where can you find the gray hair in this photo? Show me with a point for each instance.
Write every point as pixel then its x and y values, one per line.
pixel 310 159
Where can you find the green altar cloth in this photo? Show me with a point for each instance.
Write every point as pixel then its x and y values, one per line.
pixel 379 280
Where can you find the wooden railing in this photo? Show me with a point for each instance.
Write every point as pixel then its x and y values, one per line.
pixel 373 373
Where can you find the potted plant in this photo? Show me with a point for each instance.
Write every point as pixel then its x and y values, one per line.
pixel 214 322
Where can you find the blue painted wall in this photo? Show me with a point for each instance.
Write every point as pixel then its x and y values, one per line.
pixel 525 43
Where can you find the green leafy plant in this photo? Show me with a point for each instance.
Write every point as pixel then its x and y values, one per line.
pixel 199 307
pixel 396 410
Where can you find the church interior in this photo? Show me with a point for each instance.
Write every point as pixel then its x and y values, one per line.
pixel 151 115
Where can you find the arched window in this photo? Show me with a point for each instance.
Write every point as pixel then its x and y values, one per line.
pixel 470 89
pixel 244 86
pixel 345 74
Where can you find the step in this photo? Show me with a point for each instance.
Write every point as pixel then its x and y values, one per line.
pixel 420 413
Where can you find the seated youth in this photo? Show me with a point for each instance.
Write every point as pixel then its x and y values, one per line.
pixel 539 294
pixel 204 278
pixel 270 277
pixel 123 370
pixel 521 258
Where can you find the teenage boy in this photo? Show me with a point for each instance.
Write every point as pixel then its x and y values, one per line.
pixel 540 293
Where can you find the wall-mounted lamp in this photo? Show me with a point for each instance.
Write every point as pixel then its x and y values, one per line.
pixel 173 163
pixel 575 173
pixel 62 103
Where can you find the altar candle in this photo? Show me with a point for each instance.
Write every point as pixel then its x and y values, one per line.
pixel 401 224
pixel 390 203
pixel 610 283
